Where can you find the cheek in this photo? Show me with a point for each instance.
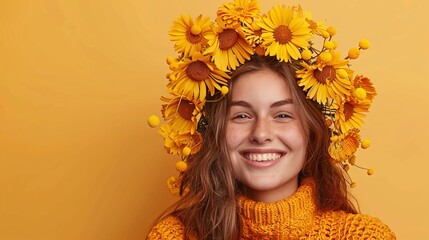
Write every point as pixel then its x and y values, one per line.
pixel 232 137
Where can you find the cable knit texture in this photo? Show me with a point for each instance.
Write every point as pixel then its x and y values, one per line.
pixel 291 218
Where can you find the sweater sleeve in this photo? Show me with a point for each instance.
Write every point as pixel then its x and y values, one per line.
pixel 361 226
pixel 169 228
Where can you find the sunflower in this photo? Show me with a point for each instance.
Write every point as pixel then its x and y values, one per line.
pixel 228 47
pixel 364 82
pixel 190 35
pixel 344 146
pixel 231 15
pixel 182 113
pixel 349 113
pixel 174 142
pixel 196 76
pixel 322 81
pixel 284 34
pixel 253 33
pixel 317 28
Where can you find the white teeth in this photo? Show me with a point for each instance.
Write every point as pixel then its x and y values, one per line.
pixel 263 156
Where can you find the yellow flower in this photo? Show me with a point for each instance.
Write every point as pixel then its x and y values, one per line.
pixel 306 54
pixel 364 44
pixel 332 31
pixel 317 28
pixel 349 113
pixel 230 15
pixel 365 143
pixel 188 42
pixel 253 32
pixel 344 146
pixel 181 166
pixel 284 34
pixel 354 53
pixel 228 47
pixel 153 121
pixel 182 113
pixel 173 184
pixel 176 142
pixel 321 80
pixel 364 82
pixel 198 76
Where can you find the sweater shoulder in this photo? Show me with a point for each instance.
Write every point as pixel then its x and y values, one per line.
pixel 355 226
pixel 169 227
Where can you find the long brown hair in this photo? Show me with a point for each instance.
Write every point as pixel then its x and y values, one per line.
pixel 208 208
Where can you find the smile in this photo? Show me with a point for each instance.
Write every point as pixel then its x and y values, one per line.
pixel 262 157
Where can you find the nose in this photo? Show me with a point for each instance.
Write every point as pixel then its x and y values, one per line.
pixel 261 131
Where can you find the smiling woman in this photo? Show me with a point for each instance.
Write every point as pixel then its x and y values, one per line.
pixel 269 159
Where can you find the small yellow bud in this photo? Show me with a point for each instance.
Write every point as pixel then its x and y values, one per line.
pixel 360 93
pixel 332 31
pixel 325 56
pixel 224 90
pixel 365 144
pixel 364 44
pixel 354 53
pixel 181 166
pixel 353 184
pixel 335 44
pixel 306 54
pixel 329 45
pixel 170 60
pixel 325 34
pixel 342 73
pixel 186 151
pixel 196 30
pixel 346 167
pixel 153 121
pixel 370 171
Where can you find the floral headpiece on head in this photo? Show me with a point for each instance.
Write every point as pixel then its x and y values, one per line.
pixel 209 52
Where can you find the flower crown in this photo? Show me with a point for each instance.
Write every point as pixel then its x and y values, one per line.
pixel 209 52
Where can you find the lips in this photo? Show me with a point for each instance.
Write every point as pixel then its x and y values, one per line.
pixel 262 157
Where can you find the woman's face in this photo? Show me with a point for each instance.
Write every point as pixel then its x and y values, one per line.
pixel 264 135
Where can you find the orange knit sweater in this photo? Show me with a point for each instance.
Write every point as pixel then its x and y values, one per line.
pixel 291 218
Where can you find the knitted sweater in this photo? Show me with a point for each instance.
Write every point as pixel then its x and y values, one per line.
pixel 291 218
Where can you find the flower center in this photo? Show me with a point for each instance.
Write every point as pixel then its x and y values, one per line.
pixel 348 111
pixel 194 39
pixel 227 39
pixel 327 73
pixel 198 71
pixel 186 108
pixel 282 34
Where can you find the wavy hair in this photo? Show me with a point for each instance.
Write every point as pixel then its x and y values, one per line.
pixel 208 207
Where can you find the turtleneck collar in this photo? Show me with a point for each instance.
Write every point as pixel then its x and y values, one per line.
pixel 294 211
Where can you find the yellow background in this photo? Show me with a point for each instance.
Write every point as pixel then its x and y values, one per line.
pixel 79 78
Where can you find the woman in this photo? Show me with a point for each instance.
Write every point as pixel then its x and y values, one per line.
pixel 267 165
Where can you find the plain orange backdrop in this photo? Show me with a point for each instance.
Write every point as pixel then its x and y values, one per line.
pixel 78 80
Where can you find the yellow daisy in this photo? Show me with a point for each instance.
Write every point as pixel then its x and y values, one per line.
pixel 344 146
pixel 284 34
pixel 182 113
pixel 349 113
pixel 364 82
pixel 322 81
pixel 174 142
pixel 196 76
pixel 228 47
pixel 317 28
pixel 190 35
pixel 231 15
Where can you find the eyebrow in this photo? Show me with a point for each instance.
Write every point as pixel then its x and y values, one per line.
pixel 275 104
